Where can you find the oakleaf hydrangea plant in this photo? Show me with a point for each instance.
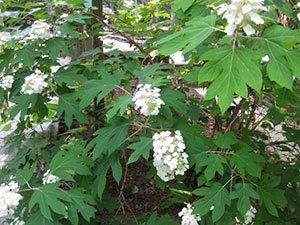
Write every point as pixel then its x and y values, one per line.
pixel 149 112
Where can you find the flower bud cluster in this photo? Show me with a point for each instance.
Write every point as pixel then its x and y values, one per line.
pixel 6 81
pixel 147 100
pixel 49 178
pixel 241 13
pixel 249 216
pixel 9 198
pixel 34 83
pixel 169 156
pixel 187 217
pixel 40 29
pixel 3 160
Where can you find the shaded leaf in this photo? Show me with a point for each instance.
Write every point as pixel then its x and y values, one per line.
pixel 215 195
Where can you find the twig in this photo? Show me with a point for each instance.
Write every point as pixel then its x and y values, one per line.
pixel 234 115
pixel 129 39
pixel 123 89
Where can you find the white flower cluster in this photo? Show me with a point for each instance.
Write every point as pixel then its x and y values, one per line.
pixel 147 99
pixel 9 198
pixel 4 37
pixel 49 178
pixel 3 160
pixel 187 217
pixel 34 83
pixel 249 216
pixel 17 221
pixel 6 81
pixel 62 62
pixel 240 13
pixel 40 29
pixel 169 156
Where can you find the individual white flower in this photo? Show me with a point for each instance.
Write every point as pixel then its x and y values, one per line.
pixel 147 100
pixel 188 218
pixel 62 62
pixel 6 81
pixel 9 198
pixel 40 29
pixel 3 161
pixel 34 83
pixel 265 58
pixel 53 100
pixel 249 216
pixel 169 156
pixel 49 178
pixel 17 221
pixel 241 13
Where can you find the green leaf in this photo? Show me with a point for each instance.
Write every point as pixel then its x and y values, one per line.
pixel 22 104
pixel 38 219
pixel 151 70
pixel 109 138
pixel 47 196
pixel 69 106
pixel 184 5
pixel 120 105
pixel 270 195
pixel 24 175
pixel 75 17
pixel 54 47
pixel 72 158
pixel 243 192
pixel 225 140
pixel 245 160
pixel 196 31
pixel 277 42
pixel 216 195
pixel 80 202
pixel 116 167
pixel 231 70
pixel 100 182
pixel 27 54
pixel 67 29
pixel 214 164
pixel 174 99
pixel 99 88
pixel 70 77
pixel 141 148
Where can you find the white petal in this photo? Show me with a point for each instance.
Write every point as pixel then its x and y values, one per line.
pixel 256 18
pixel 298 16
pixel 246 8
pixel 248 29
pixel 230 29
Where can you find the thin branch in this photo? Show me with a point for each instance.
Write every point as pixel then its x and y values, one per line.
pixel 129 39
pixel 234 115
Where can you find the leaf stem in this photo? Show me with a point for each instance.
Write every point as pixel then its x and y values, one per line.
pixel 235 37
pixel 29 189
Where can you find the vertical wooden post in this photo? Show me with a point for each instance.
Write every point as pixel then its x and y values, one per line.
pixel 98 12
